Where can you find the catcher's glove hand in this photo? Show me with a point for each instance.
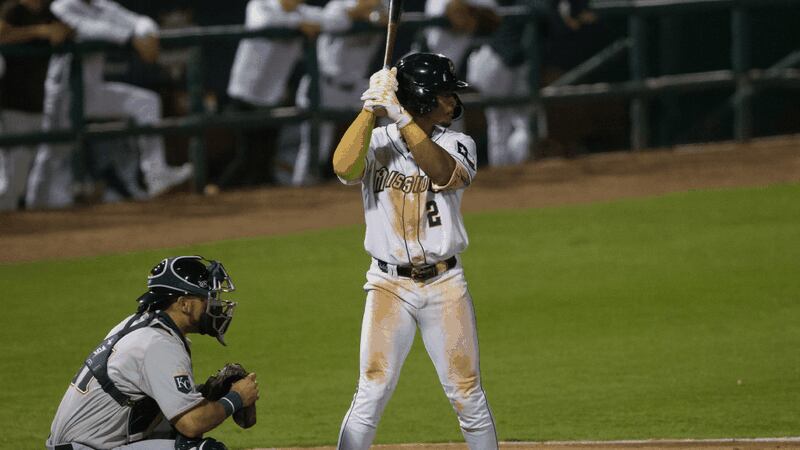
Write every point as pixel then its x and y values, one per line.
pixel 219 384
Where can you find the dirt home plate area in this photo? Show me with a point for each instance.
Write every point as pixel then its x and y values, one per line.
pixel 124 227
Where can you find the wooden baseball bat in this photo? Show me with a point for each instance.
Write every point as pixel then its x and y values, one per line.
pixel 395 9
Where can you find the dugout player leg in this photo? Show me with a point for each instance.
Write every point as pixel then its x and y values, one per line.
pixel 144 107
pixel 449 332
pixel 387 332
pixel 507 132
pixel 50 181
pixel 17 160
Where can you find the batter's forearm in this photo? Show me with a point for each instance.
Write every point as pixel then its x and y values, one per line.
pixel 430 157
pixel 348 158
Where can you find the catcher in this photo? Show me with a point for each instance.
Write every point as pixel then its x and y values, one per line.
pixel 135 391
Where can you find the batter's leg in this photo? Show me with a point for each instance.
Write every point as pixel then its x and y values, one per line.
pixel 448 328
pixel 387 333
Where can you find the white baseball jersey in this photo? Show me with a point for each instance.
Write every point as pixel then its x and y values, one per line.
pixel 97 20
pixel 345 59
pixel 409 220
pixel 262 67
pixel 450 43
pixel 153 361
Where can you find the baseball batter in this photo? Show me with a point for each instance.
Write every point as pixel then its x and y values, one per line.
pixel 413 174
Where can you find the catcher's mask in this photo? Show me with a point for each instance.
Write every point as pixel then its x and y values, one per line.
pixel 195 276
pixel 423 76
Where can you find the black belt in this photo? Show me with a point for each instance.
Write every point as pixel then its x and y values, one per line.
pixel 421 273
pixel 63 447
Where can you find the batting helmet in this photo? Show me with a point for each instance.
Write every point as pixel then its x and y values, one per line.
pixel 423 76
pixel 196 276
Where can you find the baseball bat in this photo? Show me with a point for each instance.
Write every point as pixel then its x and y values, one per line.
pixel 395 9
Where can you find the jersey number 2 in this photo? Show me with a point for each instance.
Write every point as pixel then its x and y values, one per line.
pixel 433 214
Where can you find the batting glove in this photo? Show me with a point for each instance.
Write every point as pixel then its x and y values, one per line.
pixel 385 100
pixel 384 79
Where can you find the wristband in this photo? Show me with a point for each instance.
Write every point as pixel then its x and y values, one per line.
pixel 405 119
pixel 232 402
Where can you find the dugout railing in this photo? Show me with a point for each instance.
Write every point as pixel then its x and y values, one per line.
pixel 639 89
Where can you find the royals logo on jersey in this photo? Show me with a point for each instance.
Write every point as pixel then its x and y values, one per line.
pixel 183 383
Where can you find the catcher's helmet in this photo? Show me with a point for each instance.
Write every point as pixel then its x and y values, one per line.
pixel 423 76
pixel 196 276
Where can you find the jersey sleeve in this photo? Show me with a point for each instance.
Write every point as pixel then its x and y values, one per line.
pixel 168 378
pixel 79 16
pixel 462 148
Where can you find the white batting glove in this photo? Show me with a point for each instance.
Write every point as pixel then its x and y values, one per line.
pixel 384 78
pixel 384 101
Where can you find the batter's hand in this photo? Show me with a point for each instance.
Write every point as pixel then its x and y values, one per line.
pixel 147 47
pixel 383 102
pixel 383 79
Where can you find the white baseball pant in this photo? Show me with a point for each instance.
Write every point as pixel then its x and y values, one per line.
pixel 507 128
pixel 15 162
pixel 442 309
pixel 50 184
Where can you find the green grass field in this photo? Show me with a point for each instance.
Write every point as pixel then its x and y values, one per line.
pixel 671 317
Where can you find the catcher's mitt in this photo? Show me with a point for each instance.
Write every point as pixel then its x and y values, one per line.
pixel 219 384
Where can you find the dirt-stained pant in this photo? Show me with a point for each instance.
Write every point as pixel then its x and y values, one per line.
pixel 442 309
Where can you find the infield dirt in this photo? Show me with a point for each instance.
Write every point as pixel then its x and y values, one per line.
pixel 182 219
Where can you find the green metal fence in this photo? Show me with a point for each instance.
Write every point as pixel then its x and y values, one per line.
pixel 639 88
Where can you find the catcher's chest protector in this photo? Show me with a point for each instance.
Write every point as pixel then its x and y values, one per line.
pixel 145 410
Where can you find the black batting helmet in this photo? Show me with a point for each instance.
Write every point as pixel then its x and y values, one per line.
pixel 196 276
pixel 423 76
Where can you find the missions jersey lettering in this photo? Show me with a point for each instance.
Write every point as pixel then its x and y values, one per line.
pixel 409 220
pixel 396 180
